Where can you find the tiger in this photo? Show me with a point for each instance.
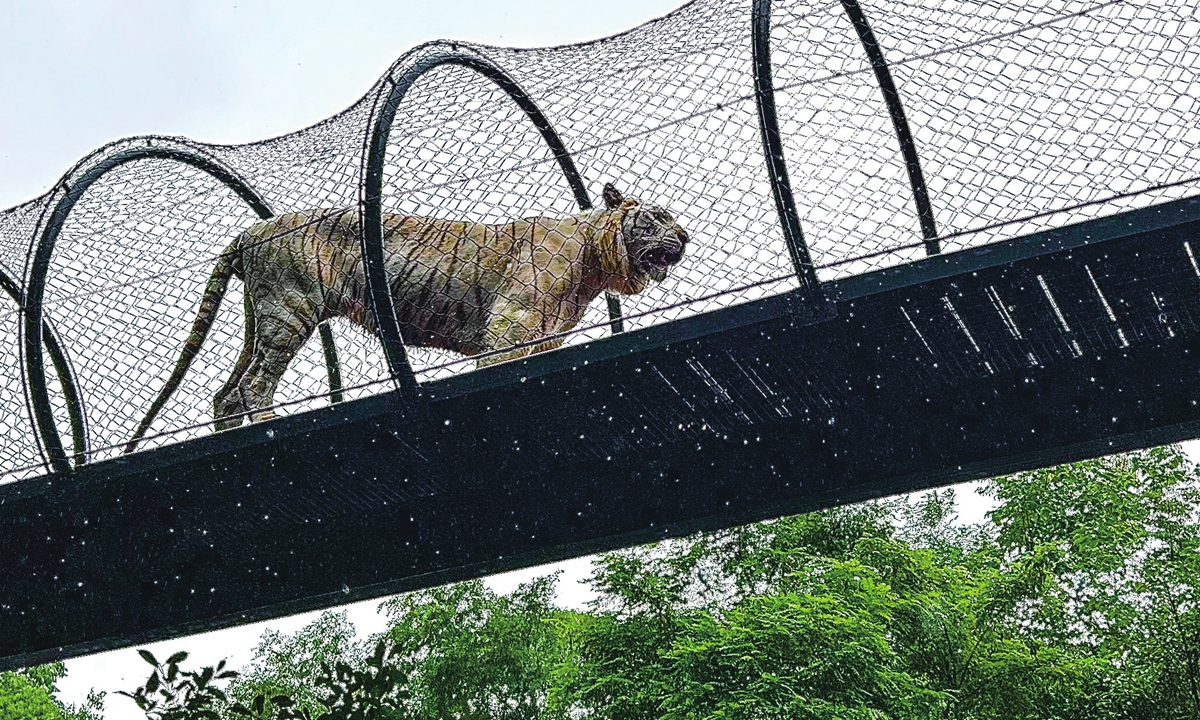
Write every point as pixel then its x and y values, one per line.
pixel 493 290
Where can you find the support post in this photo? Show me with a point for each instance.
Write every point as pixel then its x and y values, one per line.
pixel 32 327
pixel 908 147
pixel 333 368
pixel 768 123
pixel 66 377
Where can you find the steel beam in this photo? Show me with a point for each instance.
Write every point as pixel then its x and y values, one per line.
pixel 1058 346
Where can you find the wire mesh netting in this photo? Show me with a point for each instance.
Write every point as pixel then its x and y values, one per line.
pixel 498 243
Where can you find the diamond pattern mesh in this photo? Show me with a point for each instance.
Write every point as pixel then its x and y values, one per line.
pixel 1025 117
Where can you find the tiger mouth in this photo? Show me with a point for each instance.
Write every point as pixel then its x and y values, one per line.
pixel 655 262
pixel 654 268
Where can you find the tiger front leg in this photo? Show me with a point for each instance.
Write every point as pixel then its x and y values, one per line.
pixel 522 322
pixel 250 388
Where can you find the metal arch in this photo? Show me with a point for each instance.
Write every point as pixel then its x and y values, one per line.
pixel 66 376
pixel 333 368
pixel 34 362
pixel 908 147
pixel 372 196
pixel 768 124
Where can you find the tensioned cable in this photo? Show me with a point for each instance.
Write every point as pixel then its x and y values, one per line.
pixel 473 358
pixel 410 131
pixel 720 106
pixel 737 99
pixel 1014 221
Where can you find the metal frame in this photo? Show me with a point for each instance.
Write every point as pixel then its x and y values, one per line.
pixel 333 368
pixel 371 199
pixel 768 124
pixel 66 376
pixel 437 515
pixel 39 397
pixel 895 108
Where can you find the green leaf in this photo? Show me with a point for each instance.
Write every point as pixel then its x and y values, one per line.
pixel 177 658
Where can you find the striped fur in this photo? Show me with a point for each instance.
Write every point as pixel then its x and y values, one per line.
pixel 468 287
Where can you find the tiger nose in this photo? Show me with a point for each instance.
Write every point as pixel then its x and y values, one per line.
pixel 675 253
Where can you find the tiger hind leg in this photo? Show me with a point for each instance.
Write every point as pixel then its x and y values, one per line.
pixel 229 404
pixel 278 337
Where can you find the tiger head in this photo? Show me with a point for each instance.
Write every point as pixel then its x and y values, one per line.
pixel 652 238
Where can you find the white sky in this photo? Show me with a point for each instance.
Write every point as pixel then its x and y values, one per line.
pixel 74 75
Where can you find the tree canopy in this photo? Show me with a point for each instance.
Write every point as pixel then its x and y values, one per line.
pixel 1076 598
pixel 29 694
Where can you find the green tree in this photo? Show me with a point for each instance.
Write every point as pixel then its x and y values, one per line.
pixel 29 694
pixel 1077 598
pixel 1111 549
pixel 470 653
pixel 772 620
pixel 172 693
pixel 288 664
pixel 23 698
pixel 618 667
pixel 818 648
pixel 375 691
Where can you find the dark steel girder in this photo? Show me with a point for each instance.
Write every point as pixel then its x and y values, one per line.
pixel 1058 346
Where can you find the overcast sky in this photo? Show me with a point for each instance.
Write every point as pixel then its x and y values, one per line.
pixel 74 75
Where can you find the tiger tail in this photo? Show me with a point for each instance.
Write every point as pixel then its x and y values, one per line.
pixel 214 292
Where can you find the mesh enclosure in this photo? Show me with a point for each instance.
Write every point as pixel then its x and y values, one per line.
pixel 498 239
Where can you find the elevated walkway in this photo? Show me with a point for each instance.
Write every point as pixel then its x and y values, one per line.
pixel 1057 346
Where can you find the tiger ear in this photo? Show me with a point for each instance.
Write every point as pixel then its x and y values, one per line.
pixel 612 197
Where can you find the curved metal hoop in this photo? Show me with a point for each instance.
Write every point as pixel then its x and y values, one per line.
pixel 66 377
pixel 34 362
pixel 908 147
pixel 768 124
pixel 372 200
